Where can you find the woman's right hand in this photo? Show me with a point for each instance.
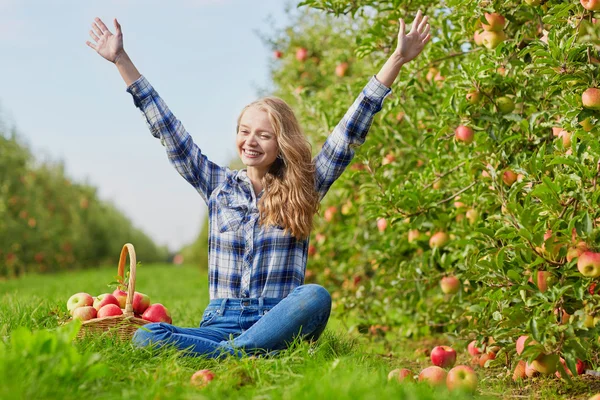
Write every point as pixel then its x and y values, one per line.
pixel 105 43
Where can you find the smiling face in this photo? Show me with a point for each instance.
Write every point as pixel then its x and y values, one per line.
pixel 256 141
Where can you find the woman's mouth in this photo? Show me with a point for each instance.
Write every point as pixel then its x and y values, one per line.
pixel 251 154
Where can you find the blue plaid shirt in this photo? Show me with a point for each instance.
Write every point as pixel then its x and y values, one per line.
pixel 245 259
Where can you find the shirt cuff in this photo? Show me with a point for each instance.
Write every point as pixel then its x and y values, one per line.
pixel 375 90
pixel 141 89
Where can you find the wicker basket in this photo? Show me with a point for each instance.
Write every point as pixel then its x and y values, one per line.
pixel 121 326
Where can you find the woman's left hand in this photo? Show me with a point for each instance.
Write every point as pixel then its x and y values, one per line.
pixel 411 44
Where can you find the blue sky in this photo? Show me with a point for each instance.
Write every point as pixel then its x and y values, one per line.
pixel 202 56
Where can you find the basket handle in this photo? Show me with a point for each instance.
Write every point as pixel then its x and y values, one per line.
pixel 128 249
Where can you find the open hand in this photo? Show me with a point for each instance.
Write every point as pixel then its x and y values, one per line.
pixel 105 43
pixel 411 44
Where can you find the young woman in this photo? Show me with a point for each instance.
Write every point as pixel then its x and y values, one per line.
pixel 260 216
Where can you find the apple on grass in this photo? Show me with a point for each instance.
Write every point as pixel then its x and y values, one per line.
pixel 595 397
pixel 104 299
pixel 433 375
pixel 473 349
pixel 589 264
pixel 141 302
pixel 545 364
pixel 202 378
pixel 485 358
pixel 401 374
pixel 443 356
pixel 79 300
pixel 462 378
pixel 450 284
pixel 109 310
pixel 157 313
pixel 520 371
pixel 84 313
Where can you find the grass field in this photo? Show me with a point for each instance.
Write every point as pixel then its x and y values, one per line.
pixel 47 364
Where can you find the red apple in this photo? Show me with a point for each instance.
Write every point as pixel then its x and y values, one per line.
pixel 79 300
pixel 388 159
pixel 462 378
pixel 485 357
pixel 109 310
pixel 530 371
pixel 592 5
pixel 341 68
pixel 521 341
pixel 438 239
pixel 464 134
pixel 312 250
pixel 443 356
pixel 478 38
pixel 381 224
pixel 105 299
pixel 401 375
pixel 202 378
pixel 509 177
pixel 301 54
pixel 575 252
pixel 141 302
pixel 330 213
pixel 520 371
pixel 413 235
pixel 495 22
pixel 591 97
pixel 121 297
pixel 157 313
pixel 450 285
pixel 433 375
pixel 277 54
pixel 473 349
pixel 589 264
pixel 84 313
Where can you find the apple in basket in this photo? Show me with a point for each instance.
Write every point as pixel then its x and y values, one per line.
pixel 121 296
pixel 141 302
pixel 79 300
pixel 105 299
pixel 157 313
pixel 84 313
pixel 109 310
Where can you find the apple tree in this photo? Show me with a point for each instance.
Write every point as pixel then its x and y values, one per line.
pixel 482 166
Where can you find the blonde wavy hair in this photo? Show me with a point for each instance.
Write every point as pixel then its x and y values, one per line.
pixel 290 199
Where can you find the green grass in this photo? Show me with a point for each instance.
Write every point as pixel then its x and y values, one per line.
pixel 49 365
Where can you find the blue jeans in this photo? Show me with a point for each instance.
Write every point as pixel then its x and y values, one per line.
pixel 255 326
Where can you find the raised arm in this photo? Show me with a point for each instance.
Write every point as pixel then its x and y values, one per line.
pixel 351 131
pixel 183 153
